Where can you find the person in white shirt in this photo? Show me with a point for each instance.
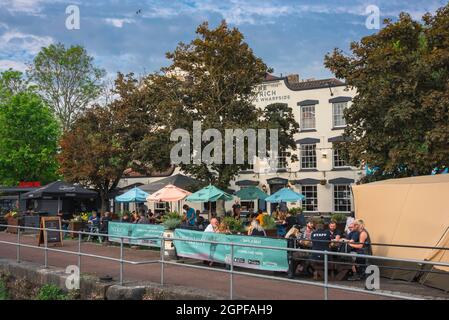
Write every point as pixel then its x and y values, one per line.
pixel 213 226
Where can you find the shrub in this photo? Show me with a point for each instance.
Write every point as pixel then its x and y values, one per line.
pixel 50 292
pixel 295 211
pixel 172 215
pixel 3 290
pixel 172 223
pixel 339 217
pixel 268 222
pixel 233 224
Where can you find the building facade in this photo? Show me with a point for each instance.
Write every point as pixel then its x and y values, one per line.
pixel 319 174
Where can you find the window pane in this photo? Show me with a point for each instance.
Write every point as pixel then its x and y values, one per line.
pixel 310 202
pixel 342 198
pixel 338 114
pixel 338 161
pixel 308 117
pixel 308 156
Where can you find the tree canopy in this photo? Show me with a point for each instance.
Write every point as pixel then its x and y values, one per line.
pixel 213 80
pixel 399 120
pixel 28 133
pixel 67 79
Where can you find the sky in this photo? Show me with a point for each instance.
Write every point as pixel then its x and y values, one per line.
pixel 291 36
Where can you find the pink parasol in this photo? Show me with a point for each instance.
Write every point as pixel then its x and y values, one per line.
pixel 169 193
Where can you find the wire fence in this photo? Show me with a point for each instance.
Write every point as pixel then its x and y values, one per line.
pixel 328 261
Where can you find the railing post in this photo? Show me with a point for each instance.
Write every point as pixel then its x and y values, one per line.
pixel 121 261
pixel 46 248
pixel 18 245
pixel 231 288
pixel 79 251
pixel 162 259
pixel 326 271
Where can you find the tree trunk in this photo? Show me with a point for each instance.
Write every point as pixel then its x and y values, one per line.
pixel 104 200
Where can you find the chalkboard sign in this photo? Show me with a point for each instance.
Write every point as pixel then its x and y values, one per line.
pixel 51 237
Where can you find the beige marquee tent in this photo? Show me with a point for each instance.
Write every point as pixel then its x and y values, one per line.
pixel 408 211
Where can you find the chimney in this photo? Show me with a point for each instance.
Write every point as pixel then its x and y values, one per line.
pixel 293 78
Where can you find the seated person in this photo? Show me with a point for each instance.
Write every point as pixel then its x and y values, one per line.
pixel 104 221
pixel 259 216
pixel 281 224
pixel 200 222
pixel 142 218
pixel 290 221
pixel 256 229
pixel 320 241
pixel 213 226
pixel 93 221
pixel 335 235
pixel 126 218
pixel 151 217
pixel 307 234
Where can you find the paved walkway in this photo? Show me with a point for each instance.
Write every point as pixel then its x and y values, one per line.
pixel 245 287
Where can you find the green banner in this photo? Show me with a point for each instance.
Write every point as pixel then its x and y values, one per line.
pixel 120 229
pixel 247 257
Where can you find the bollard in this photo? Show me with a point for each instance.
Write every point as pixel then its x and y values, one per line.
pixel 162 259
pixel 46 248
pixel 231 293
pixel 121 261
pixel 18 245
pixel 79 251
pixel 325 276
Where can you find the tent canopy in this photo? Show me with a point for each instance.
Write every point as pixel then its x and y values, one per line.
pixel 169 193
pixel 284 195
pixel 409 211
pixel 133 195
pixel 251 193
pixel 209 194
pixel 178 180
pixel 60 189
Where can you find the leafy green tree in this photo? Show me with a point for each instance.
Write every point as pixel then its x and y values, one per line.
pixel 11 82
pixel 399 120
pixel 213 79
pixel 28 139
pixel 67 80
pixel 91 152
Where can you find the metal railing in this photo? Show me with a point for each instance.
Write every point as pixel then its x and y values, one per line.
pixel 231 267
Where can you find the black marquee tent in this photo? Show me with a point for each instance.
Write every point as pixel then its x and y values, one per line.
pixel 60 195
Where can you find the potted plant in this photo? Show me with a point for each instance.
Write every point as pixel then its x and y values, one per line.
pixel 270 226
pixel 78 223
pixel 340 219
pixel 13 219
pixel 170 221
pixel 235 226
pixel 294 211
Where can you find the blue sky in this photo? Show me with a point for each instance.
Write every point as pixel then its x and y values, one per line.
pixel 291 36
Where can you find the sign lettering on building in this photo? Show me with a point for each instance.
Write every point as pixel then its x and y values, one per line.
pixel 270 93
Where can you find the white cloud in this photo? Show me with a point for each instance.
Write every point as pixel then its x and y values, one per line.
pixel 13 41
pixel 30 7
pixel 16 65
pixel 118 22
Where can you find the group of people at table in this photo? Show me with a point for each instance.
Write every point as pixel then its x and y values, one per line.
pixel 302 233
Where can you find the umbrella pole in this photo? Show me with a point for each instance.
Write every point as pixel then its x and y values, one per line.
pixel 209 212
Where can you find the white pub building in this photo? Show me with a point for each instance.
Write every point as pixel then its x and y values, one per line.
pixel 319 174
